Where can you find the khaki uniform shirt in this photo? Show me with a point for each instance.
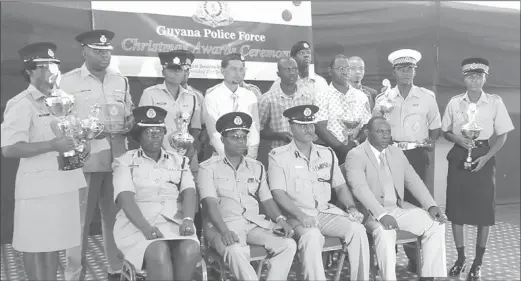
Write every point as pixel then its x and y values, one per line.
pixel 27 119
pixel 308 182
pixel 113 96
pixel 492 115
pixel 412 117
pixel 156 186
pixel 237 191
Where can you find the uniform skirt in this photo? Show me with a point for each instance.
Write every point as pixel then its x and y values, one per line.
pixel 47 224
pixel 471 195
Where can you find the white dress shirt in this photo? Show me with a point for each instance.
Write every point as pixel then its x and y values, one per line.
pixel 219 102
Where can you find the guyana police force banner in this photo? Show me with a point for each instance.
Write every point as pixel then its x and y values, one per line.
pixel 262 31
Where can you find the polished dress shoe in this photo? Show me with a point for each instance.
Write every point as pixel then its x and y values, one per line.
pixel 458 268
pixel 474 272
pixel 114 276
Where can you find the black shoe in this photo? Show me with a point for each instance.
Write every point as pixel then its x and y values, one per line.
pixel 474 273
pixel 458 268
pixel 426 279
pixel 114 276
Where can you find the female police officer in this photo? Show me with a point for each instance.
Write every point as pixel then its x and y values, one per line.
pixel 156 191
pixel 470 193
pixel 47 207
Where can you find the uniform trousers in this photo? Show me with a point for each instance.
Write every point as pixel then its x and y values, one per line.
pixel 100 192
pixel 237 256
pixel 418 222
pixel 311 242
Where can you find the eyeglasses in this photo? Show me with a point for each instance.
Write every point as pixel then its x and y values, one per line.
pixel 342 68
pixel 154 131
pixel 237 137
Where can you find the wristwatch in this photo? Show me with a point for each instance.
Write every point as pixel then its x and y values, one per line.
pixel 281 217
pixel 188 218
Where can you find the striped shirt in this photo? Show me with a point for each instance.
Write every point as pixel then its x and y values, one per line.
pixel 273 103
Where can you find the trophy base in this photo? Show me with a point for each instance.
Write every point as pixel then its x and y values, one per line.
pixel 468 166
pixel 69 163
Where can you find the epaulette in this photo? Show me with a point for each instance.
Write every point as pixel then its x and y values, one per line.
pixel 151 87
pixel 431 93
pixel 210 160
pixel 458 96
pixel 195 90
pixel 211 89
pixel 74 71
pixel 280 149
pixel 20 96
pixel 494 96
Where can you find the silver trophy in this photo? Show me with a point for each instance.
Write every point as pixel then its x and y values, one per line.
pixel 386 104
pixel 60 104
pixel 91 127
pixel 471 131
pixel 181 140
pixel 350 126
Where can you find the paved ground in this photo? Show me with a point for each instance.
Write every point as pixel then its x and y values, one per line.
pixel 502 259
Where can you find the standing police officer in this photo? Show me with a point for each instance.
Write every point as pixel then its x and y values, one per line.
pixel 47 203
pixel 414 119
pixel 94 83
pixel 176 100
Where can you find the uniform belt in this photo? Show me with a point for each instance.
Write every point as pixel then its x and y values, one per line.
pixel 407 145
pixel 480 143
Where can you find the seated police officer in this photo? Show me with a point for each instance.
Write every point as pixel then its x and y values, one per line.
pixel 156 191
pixel 231 187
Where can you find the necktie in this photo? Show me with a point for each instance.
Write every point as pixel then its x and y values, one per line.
pixel 235 99
pixel 383 164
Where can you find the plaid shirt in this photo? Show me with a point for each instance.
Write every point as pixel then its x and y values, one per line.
pixel 272 105
pixel 335 106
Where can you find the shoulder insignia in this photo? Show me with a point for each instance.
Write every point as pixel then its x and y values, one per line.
pixel 210 160
pixel 20 96
pixel 195 90
pixel 457 96
pixel 431 93
pixel 494 97
pixel 74 71
pixel 209 90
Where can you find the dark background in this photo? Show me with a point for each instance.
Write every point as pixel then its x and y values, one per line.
pixel 444 33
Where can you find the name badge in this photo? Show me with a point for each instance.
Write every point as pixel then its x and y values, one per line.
pixel 253 180
pixel 133 166
pixel 44 115
pixel 161 103
pixel 322 166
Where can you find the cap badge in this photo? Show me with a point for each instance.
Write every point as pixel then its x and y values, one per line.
pixel 242 57
pixel 151 113
pixel 177 60
pixel 307 112
pixel 305 45
pixel 188 61
pixel 103 39
pixel 237 121
pixel 50 53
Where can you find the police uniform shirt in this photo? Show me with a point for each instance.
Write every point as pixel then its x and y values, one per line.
pixel 27 119
pixel 153 182
pixel 116 104
pixel 200 99
pixel 238 192
pixel 306 181
pixel 492 115
pixel 186 103
pixel 412 117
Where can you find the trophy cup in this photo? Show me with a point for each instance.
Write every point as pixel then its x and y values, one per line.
pixel 471 131
pixel 181 140
pixel 386 105
pixel 350 125
pixel 60 104
pixel 90 127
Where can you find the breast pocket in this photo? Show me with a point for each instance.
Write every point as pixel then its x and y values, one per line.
pixel 303 181
pixel 224 186
pixel 42 127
